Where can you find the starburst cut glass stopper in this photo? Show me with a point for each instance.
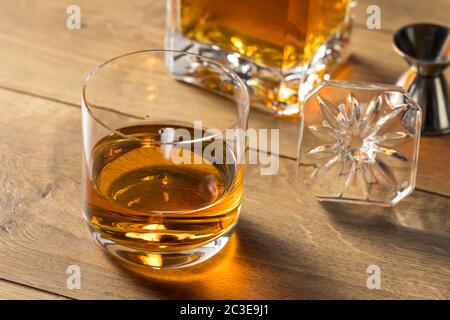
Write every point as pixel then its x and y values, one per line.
pixel 359 143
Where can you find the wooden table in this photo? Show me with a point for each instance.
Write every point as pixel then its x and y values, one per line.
pixel 287 245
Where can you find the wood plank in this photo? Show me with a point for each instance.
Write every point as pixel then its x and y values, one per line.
pixel 287 245
pixel 395 14
pixel 433 172
pixel 13 291
pixel 36 43
pixel 36 31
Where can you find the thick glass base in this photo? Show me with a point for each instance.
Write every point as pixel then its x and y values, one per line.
pixel 271 89
pixel 162 260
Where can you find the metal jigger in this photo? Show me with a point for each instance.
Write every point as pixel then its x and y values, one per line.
pixel 426 48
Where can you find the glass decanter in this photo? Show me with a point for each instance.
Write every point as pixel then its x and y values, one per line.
pixel 276 46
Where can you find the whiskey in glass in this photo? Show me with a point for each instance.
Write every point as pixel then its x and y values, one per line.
pixel 159 190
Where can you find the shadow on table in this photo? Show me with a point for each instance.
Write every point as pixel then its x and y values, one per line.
pixel 249 267
pixel 414 222
pixel 186 283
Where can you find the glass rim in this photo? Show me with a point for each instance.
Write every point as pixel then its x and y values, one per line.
pixel 88 107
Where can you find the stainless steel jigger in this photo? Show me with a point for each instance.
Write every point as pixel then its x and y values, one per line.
pixel 426 48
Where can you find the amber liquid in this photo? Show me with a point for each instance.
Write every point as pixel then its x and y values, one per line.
pixel 282 34
pixel 138 197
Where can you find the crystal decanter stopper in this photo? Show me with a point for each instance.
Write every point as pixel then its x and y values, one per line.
pixel 359 143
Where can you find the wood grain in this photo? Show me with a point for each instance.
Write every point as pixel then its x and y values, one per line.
pixel 287 245
pixel 14 291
